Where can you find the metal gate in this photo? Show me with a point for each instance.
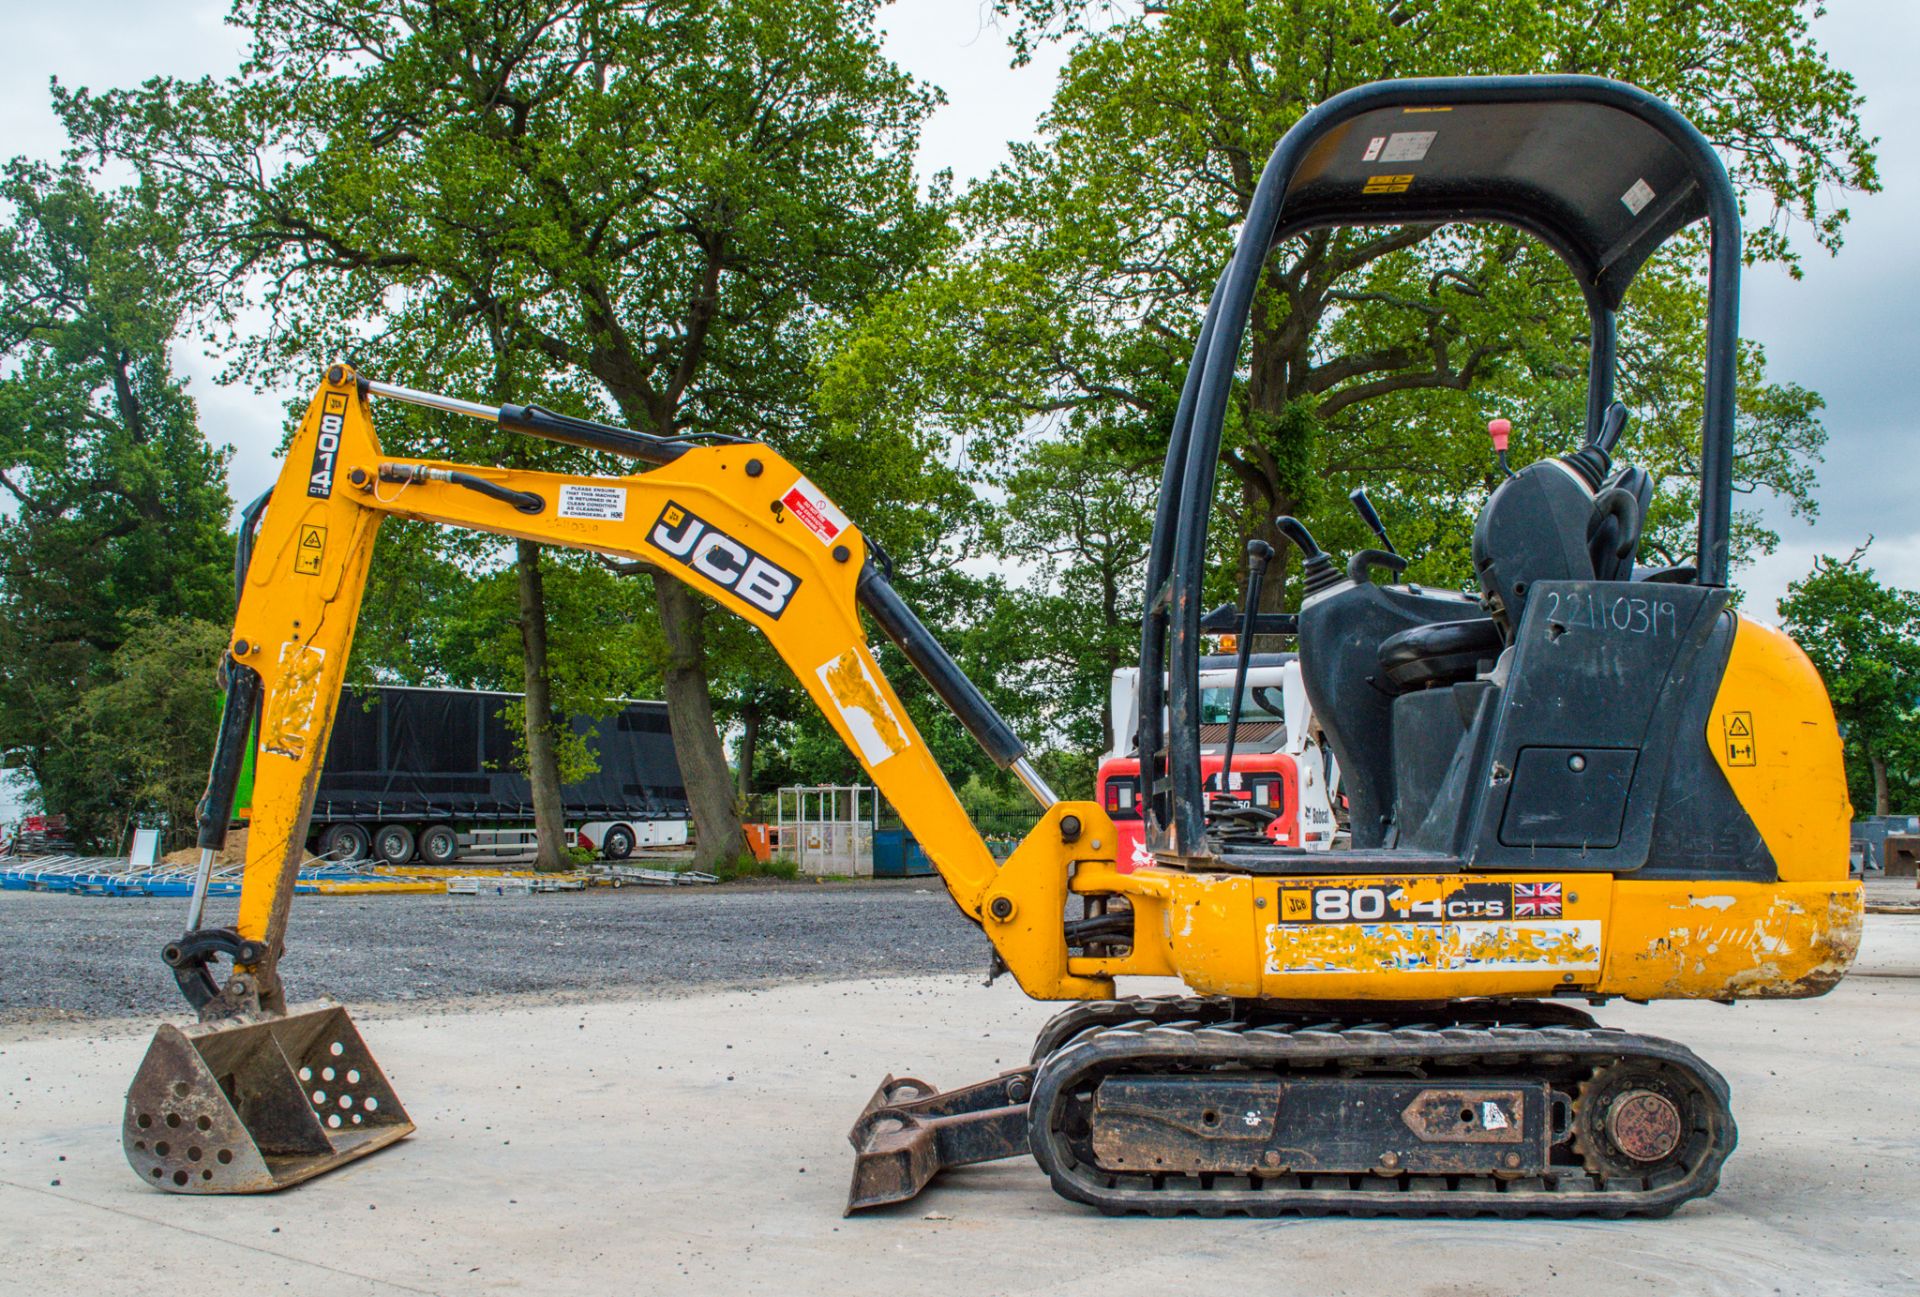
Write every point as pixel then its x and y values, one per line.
pixel 827 828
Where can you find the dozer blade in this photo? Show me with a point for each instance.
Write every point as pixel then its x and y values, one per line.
pixel 909 1133
pixel 257 1103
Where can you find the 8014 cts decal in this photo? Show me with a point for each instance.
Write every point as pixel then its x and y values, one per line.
pixel 727 562
pixel 1341 903
pixel 326 447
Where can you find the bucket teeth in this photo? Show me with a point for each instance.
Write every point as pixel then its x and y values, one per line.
pixel 257 1103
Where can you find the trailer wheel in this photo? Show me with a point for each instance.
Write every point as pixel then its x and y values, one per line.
pixel 345 843
pixel 618 843
pixel 439 845
pixel 393 844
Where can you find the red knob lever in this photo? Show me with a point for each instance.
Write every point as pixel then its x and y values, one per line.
pixel 1499 430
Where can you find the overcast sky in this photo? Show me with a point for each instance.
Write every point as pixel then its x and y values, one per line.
pixel 1845 330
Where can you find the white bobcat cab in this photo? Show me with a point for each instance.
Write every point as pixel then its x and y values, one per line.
pixel 1280 758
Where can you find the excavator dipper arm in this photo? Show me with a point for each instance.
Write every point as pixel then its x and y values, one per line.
pixel 734 521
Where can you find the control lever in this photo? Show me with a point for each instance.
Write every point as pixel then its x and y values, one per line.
pixel 1360 565
pixel 1371 516
pixel 1593 460
pixel 1612 424
pixel 1259 554
pixel 1315 566
pixel 1500 430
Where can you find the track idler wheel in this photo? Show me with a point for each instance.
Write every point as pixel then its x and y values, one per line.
pixel 1636 1120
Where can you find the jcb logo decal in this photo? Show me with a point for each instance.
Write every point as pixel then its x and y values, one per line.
pixel 723 560
pixel 326 449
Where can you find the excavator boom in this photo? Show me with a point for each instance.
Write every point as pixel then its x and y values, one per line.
pixel 734 521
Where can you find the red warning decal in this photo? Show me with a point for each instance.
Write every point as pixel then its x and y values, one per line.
pixel 816 513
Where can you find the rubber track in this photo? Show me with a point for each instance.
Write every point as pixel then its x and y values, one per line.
pixel 1446 1053
pixel 1193 1010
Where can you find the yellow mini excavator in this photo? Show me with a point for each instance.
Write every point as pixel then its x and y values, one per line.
pixel 1586 779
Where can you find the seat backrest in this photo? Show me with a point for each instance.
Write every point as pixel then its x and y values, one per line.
pixel 1535 528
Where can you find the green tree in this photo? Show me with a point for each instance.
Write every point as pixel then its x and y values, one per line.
pixel 1374 354
pixel 636 210
pixel 116 506
pixel 1864 637
pixel 138 742
pixel 1078 518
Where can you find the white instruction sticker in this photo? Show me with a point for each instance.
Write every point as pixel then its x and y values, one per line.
pixel 608 502
pixel 1407 146
pixel 876 730
pixel 1638 197
pixel 1491 1118
pixel 816 513
pixel 1374 146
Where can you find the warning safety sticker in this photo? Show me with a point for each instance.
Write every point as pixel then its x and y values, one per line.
pixel 1738 728
pixel 816 513
pixel 311 550
pixel 606 502
pixel 876 729
pixel 1407 146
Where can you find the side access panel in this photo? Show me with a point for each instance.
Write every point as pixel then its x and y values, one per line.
pixel 1599 729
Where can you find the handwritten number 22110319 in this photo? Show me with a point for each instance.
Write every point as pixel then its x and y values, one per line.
pixel 1627 614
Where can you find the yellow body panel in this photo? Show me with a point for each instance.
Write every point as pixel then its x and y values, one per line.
pixel 1773 733
pixel 1227 934
pixel 715 512
pixel 1727 941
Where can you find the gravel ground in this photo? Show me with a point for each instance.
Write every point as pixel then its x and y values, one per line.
pixel 82 957
pixel 85 957
pixel 1893 895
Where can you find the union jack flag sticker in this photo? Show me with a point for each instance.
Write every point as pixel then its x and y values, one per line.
pixel 1536 900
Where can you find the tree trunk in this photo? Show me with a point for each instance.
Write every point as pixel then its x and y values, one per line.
pixel 718 837
pixel 749 736
pixel 1882 804
pixel 543 764
pixel 1111 622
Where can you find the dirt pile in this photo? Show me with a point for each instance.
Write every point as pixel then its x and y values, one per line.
pixel 234 853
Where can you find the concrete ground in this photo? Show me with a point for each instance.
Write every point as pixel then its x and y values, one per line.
pixel 695 1145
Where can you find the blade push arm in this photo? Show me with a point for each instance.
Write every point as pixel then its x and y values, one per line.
pixel 734 521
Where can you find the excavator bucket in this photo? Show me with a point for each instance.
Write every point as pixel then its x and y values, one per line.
pixel 255 1103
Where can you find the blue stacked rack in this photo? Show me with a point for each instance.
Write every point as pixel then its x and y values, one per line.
pixel 115 876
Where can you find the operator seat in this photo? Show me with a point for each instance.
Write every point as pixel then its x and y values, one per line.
pixel 1560 519
pixel 1439 653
